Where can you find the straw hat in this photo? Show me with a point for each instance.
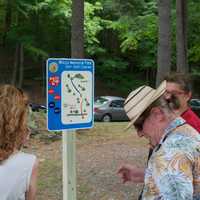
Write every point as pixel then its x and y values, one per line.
pixel 140 99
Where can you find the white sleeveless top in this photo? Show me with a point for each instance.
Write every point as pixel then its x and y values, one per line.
pixel 15 174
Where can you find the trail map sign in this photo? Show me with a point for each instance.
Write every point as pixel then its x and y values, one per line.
pixel 70 93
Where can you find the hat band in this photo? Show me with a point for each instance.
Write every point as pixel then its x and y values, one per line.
pixel 134 95
pixel 138 101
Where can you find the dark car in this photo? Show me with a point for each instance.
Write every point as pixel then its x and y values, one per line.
pixel 195 105
pixel 109 108
pixel 37 107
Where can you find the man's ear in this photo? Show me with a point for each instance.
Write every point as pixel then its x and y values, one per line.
pixel 189 95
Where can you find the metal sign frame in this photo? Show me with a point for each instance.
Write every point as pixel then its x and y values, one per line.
pixel 70 93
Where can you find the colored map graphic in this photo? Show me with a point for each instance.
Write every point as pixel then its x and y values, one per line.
pixel 76 97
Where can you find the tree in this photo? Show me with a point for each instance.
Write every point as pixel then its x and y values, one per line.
pixel 7 20
pixel 193 36
pixel 77 29
pixel 164 39
pixel 120 37
pixel 181 36
pixel 77 51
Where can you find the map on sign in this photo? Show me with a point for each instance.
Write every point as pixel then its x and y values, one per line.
pixel 76 96
pixel 70 93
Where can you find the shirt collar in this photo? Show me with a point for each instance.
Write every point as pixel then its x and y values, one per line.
pixel 173 125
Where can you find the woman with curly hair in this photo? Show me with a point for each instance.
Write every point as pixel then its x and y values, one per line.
pixel 18 170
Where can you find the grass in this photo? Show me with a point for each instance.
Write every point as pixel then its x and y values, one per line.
pixel 50 180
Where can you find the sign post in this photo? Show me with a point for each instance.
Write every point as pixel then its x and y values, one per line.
pixel 70 96
pixel 69 165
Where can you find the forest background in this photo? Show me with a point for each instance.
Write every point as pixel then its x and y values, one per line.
pixel 120 36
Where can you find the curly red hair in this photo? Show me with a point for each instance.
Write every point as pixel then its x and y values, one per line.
pixel 13 123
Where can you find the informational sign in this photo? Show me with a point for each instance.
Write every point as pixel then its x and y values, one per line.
pixel 70 93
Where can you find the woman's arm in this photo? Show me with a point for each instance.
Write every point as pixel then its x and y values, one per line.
pixel 31 193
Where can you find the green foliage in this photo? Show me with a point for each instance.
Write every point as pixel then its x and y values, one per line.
pixel 129 83
pixel 136 31
pixel 36 53
pixel 111 65
pixel 50 20
pixel 120 36
pixel 116 76
pixel 61 8
pixel 196 71
pixel 93 24
pixel 194 32
pixel 194 53
pixel 2 14
pixel 139 35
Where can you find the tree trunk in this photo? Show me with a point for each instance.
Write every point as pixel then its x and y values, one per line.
pixel 7 21
pixel 164 39
pixel 15 65
pixel 181 36
pixel 77 29
pixel 21 65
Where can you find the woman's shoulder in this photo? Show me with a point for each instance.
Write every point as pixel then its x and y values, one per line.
pixel 23 158
pixel 25 154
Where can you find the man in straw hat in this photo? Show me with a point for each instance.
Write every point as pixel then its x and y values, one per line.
pixel 173 170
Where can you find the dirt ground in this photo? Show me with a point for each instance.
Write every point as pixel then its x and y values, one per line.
pixel 99 153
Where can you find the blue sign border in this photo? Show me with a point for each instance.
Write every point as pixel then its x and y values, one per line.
pixel 54 122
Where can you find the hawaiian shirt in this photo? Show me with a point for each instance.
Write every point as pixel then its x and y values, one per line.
pixel 173 170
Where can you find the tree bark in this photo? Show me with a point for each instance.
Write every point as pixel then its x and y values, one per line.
pixel 164 39
pixel 15 65
pixel 181 36
pixel 7 21
pixel 21 65
pixel 77 29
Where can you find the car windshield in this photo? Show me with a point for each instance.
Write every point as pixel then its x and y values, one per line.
pixel 100 100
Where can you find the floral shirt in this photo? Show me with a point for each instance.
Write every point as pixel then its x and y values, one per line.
pixel 173 171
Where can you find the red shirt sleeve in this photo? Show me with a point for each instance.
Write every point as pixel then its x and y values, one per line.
pixel 191 118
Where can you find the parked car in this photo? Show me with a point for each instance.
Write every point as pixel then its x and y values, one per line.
pixel 109 108
pixel 37 107
pixel 195 105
